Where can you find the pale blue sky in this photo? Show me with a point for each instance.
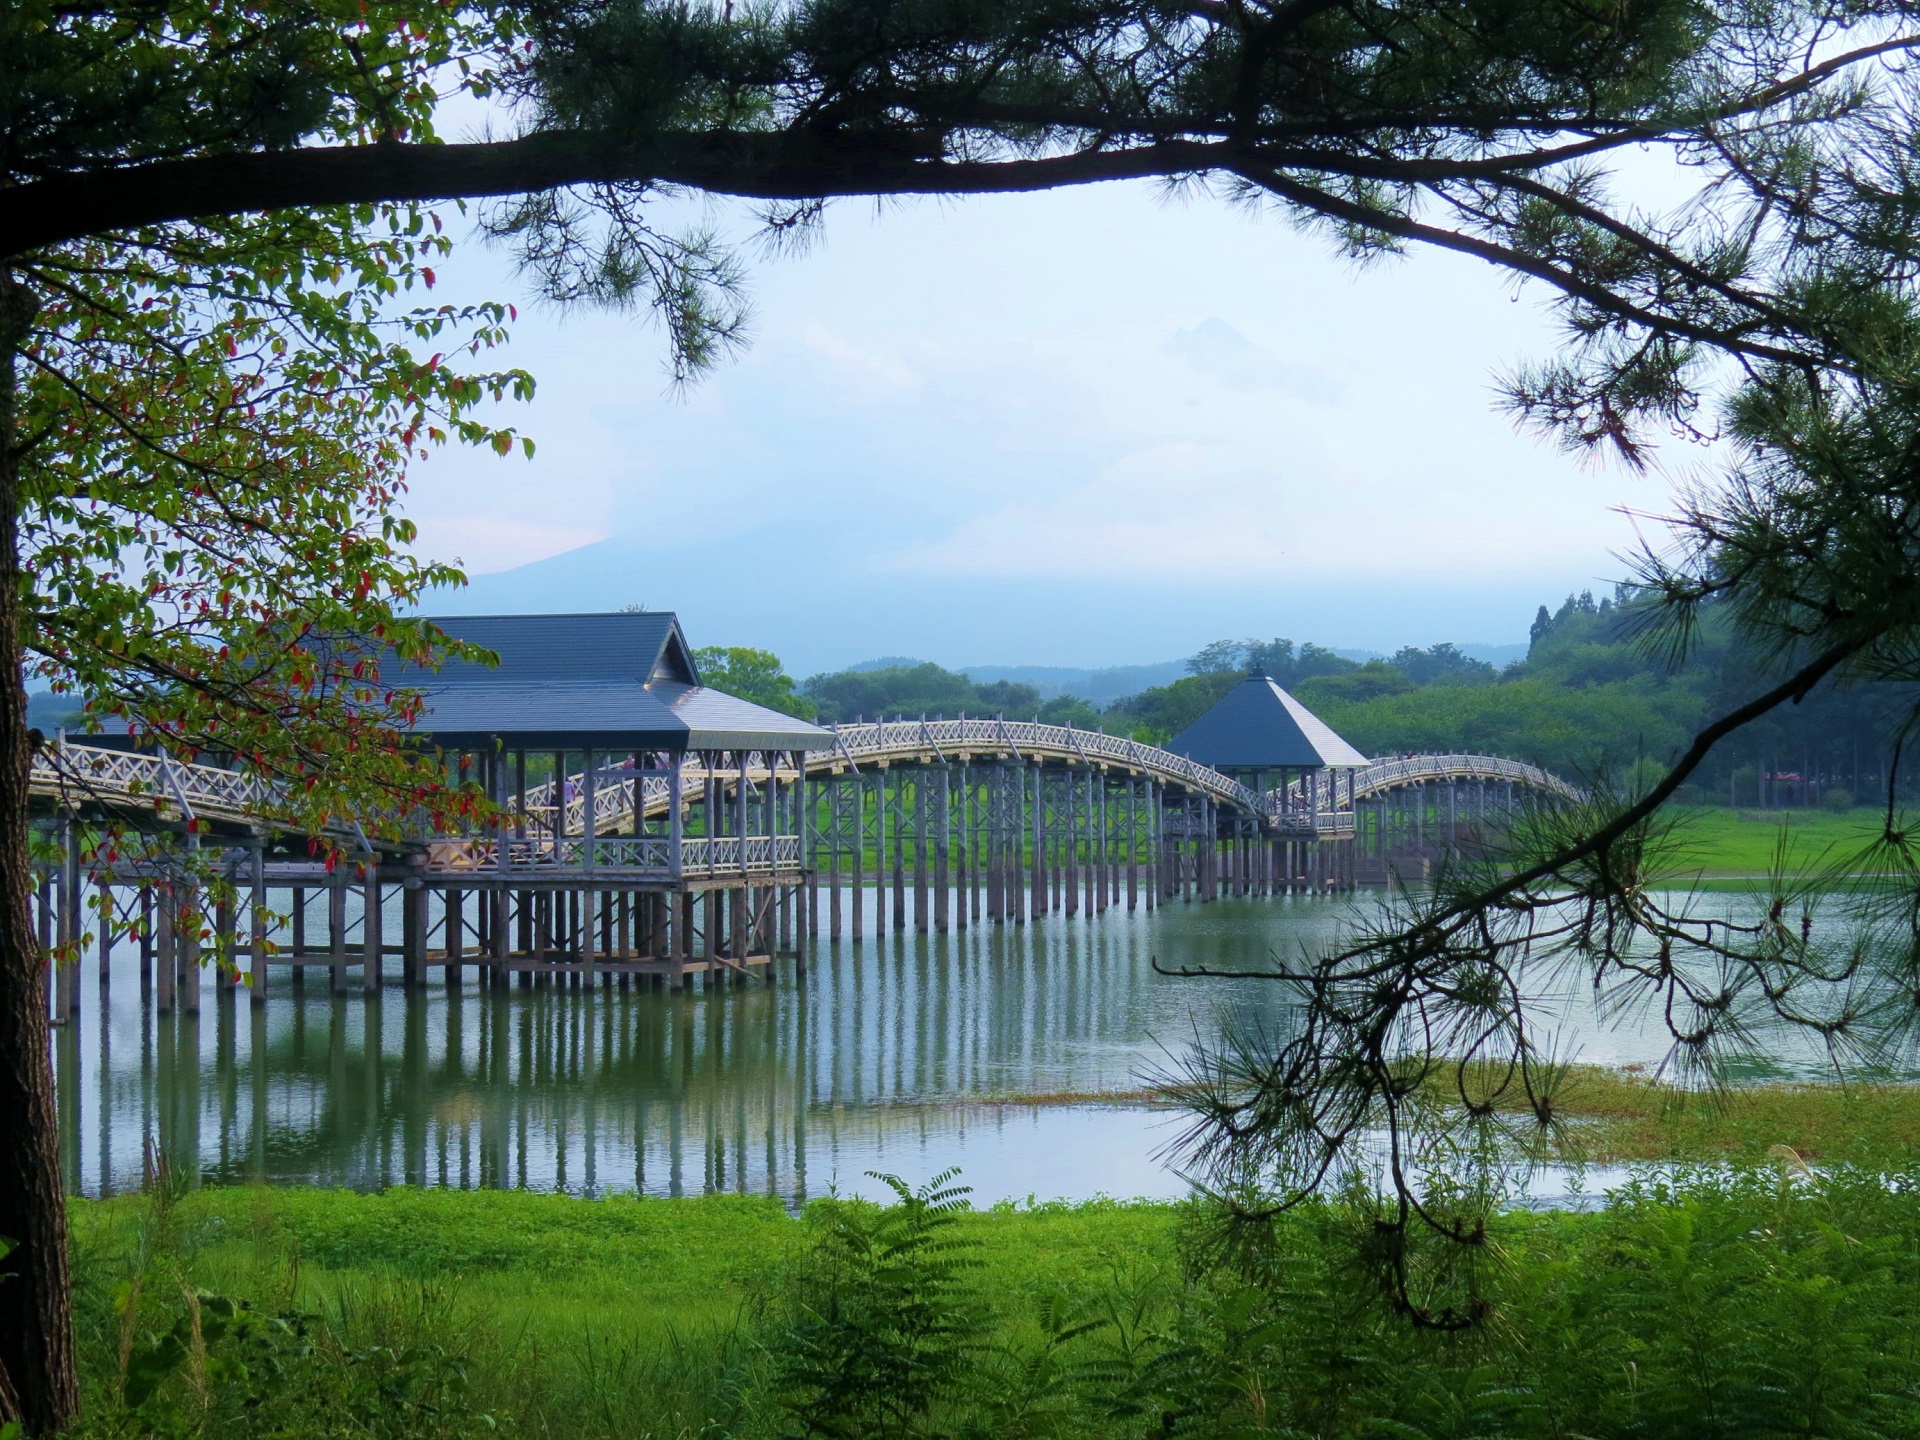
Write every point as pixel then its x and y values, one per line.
pixel 1086 428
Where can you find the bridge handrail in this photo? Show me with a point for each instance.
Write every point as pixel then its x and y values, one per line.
pixel 94 770
pixel 231 794
pixel 1387 774
pixel 873 738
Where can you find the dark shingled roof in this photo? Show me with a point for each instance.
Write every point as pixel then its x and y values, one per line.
pixel 614 681
pixel 1258 726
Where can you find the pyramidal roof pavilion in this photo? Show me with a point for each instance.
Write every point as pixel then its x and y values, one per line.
pixel 1257 726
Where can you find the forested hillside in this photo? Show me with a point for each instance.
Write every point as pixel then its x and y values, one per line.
pixel 1592 696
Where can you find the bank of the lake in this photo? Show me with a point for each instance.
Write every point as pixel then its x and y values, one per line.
pixel 1734 1301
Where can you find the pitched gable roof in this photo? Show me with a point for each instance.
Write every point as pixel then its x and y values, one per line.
pixel 1258 726
pixel 606 681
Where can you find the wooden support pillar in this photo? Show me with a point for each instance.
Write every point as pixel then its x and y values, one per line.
pixel 859 895
pixel 257 914
pixel 374 934
pixel 299 936
pixel 166 934
pixel 455 939
pixel 899 852
pixel 67 989
pixel 414 923
pixel 106 931
pixel 836 808
pixel 337 933
pixel 226 960
pixel 1038 883
pixel 942 824
pixel 996 842
pixel 187 943
pixel 146 941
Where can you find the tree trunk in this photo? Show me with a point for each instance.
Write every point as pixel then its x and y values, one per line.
pixel 36 1323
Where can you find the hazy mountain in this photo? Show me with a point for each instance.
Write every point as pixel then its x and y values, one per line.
pixel 1100 687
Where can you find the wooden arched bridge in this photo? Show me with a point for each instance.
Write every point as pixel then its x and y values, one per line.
pixel 712 862
pixel 140 785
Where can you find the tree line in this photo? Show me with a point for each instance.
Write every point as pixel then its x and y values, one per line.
pixel 1591 699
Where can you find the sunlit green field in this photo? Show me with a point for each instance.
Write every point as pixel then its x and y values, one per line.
pixel 1717 842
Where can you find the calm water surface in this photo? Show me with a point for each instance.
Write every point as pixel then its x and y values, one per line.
pixel 888 1056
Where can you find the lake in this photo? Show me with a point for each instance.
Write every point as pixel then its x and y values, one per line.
pixel 894 1054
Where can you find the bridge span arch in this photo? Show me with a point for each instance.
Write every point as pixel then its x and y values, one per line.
pixel 651 867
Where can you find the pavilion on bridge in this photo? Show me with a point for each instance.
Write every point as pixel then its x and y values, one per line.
pixel 1270 742
pixel 655 823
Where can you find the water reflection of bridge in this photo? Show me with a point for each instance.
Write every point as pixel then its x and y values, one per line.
pixel 773 1091
pixel 665 831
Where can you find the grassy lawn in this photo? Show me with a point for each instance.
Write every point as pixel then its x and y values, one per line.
pixel 1617 1117
pixel 552 1266
pixel 1721 843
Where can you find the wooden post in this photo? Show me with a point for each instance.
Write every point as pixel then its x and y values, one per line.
pixel 996 841
pixel 1038 881
pixel 71 928
pixel 337 933
pixel 167 931
pixel 900 849
pixel 188 942
pixel 226 967
pixel 456 924
pixel 257 913
pixel 964 894
pixel 299 937
pixel 106 931
pixel 414 897
pixel 938 793
pixel 836 807
pixel 859 896
pixel 146 941
pixel 371 962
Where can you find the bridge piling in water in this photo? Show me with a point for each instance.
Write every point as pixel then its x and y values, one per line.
pixel 999 823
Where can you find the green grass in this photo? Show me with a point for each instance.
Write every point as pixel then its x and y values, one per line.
pixel 627 1266
pixel 1759 1302
pixel 1617 1116
pixel 1721 843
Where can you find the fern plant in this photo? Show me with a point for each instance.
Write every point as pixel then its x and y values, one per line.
pixel 880 1323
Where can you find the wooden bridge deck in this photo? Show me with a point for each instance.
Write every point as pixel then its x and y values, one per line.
pixel 156 787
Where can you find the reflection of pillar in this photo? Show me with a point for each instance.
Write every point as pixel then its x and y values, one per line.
pixel 185 1157
pixel 66 1069
pixel 257 1097
pixel 226 1074
pixel 377 1156
pixel 413 1093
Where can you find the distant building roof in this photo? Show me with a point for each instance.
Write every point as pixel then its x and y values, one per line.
pixel 601 681
pixel 1258 726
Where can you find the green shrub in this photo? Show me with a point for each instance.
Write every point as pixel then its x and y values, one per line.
pixel 877 1323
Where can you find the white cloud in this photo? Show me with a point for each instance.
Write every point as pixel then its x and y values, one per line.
pixel 1187 512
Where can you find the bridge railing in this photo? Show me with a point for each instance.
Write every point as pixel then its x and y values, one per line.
pixel 1412 769
pixel 87 771
pixel 880 738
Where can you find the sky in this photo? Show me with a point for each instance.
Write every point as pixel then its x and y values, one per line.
pixel 1088 428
